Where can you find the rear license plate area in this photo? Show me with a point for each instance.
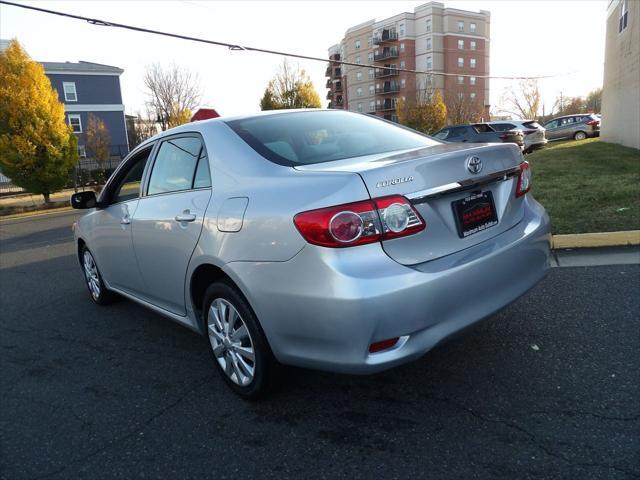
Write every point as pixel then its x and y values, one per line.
pixel 474 213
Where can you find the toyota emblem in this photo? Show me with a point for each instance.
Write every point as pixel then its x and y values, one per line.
pixel 474 164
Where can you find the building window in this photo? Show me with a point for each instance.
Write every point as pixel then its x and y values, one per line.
pixel 461 44
pixel 429 43
pixel 369 41
pixel 82 152
pixel 402 47
pixel 460 26
pixel 358 59
pixel 402 83
pixel 472 95
pixel 372 90
pixel 428 25
pixel 472 27
pixel 402 64
pixel 429 80
pixel 472 45
pixel 429 63
pixel 460 95
pixel 472 63
pixel 371 73
pixel 372 106
pixel 460 62
pixel 357 44
pixel 472 80
pixel 70 94
pixel 76 123
pixel 624 15
pixel 401 30
pixel 358 75
pixel 359 107
pixel 370 57
pixel 359 92
pixel 460 80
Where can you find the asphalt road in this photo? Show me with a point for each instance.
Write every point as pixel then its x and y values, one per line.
pixel 548 388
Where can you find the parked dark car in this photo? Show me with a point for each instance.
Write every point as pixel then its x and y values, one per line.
pixel 534 134
pixel 479 133
pixel 578 127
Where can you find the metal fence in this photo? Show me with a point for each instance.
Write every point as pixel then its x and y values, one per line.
pixel 88 171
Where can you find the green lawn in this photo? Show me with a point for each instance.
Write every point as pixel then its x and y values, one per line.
pixel 588 186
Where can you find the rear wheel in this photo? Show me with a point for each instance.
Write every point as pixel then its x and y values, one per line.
pixel 579 136
pixel 95 284
pixel 239 347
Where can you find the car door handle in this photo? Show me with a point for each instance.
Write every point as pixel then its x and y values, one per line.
pixel 126 220
pixel 185 216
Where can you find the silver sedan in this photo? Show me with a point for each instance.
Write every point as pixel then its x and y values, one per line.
pixel 322 239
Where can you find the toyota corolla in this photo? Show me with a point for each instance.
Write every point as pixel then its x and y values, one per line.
pixel 321 239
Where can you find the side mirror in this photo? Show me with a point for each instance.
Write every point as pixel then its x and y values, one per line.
pixel 83 200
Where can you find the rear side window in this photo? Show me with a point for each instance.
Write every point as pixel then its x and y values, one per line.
pixel 483 128
pixel 501 127
pixel 304 138
pixel 175 165
pixel 202 178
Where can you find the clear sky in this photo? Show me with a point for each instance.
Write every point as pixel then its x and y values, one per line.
pixel 527 38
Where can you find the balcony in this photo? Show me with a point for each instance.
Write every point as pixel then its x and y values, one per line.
pixel 386 106
pixel 337 87
pixel 327 72
pixel 329 83
pixel 385 72
pixel 329 95
pixel 388 88
pixel 386 36
pixel 386 53
pixel 337 72
pixel 335 56
pixel 339 103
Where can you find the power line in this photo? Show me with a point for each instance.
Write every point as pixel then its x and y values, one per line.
pixel 236 47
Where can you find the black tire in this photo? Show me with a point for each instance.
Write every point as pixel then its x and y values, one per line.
pixel 579 136
pixel 264 363
pixel 102 296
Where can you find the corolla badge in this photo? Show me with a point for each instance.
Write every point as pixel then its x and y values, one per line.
pixel 474 164
pixel 394 181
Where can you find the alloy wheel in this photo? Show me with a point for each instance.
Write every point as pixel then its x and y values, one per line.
pixel 91 275
pixel 231 342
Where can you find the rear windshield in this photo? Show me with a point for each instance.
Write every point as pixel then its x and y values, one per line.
pixel 305 138
pixel 532 124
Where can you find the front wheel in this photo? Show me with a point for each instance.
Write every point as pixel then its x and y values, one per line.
pixel 95 284
pixel 238 345
pixel 580 136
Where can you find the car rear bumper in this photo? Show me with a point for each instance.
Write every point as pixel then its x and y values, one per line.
pixel 323 308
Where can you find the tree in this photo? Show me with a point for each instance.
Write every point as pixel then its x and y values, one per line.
pixel 38 149
pixel 173 91
pixel 461 108
pixel 569 105
pixel 523 102
pixel 98 140
pixel 427 115
pixel 593 103
pixel 290 88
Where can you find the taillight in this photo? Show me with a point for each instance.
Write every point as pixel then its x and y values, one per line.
pixel 359 223
pixel 524 179
pixel 529 132
pixel 593 122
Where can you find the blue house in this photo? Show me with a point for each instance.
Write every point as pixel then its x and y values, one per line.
pixel 91 88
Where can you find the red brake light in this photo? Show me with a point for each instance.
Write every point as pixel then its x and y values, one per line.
pixel 383 345
pixel 524 179
pixel 359 223
pixel 593 122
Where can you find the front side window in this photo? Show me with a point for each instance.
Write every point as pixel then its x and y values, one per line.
pixel 347 135
pixel 128 188
pixel 175 165
pixel 76 123
pixel 70 94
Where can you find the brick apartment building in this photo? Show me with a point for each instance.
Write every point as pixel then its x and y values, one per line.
pixel 433 39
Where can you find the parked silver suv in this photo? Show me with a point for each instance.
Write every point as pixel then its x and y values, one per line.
pixel 578 127
pixel 534 134
pixel 323 239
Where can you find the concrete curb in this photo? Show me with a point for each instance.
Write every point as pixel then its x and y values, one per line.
pixel 34 213
pixel 592 240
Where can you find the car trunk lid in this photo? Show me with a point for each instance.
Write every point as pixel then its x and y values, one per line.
pixel 432 178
